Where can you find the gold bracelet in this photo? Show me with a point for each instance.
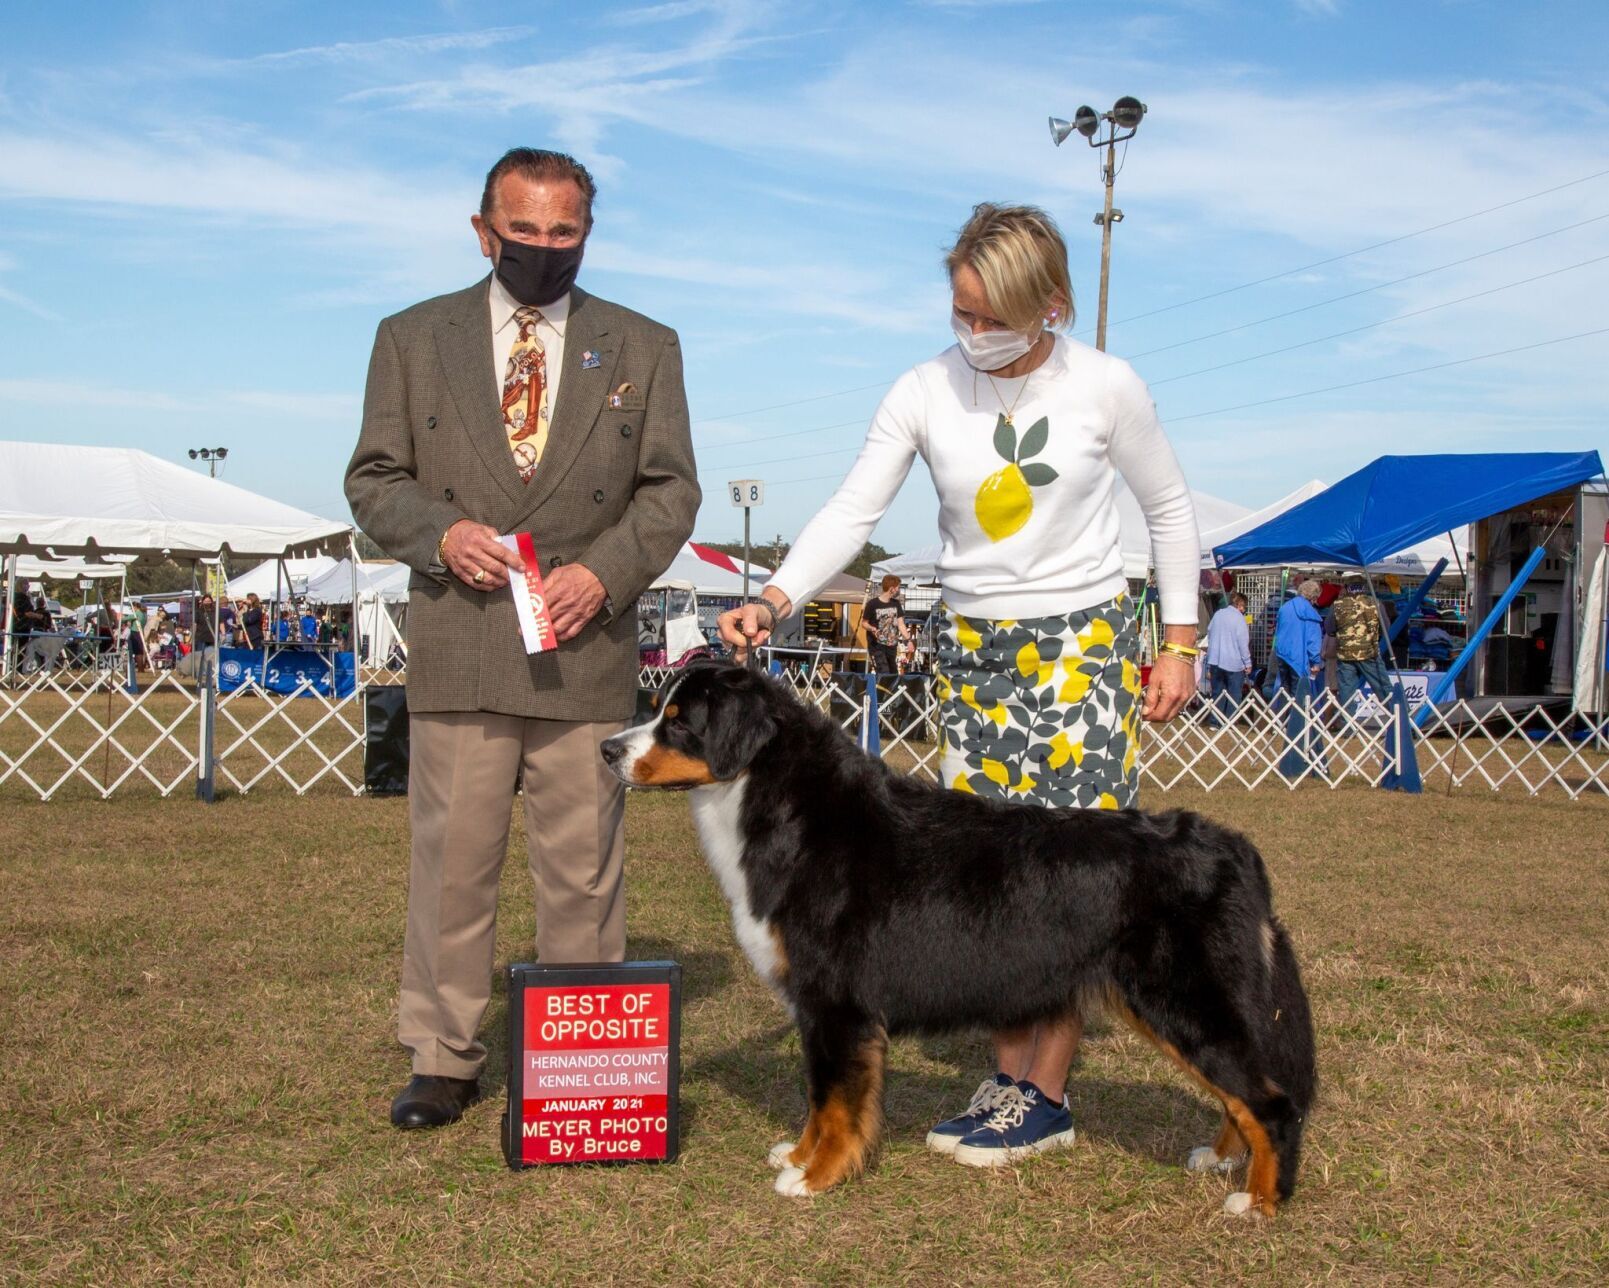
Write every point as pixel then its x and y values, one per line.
pixel 1179 650
pixel 441 549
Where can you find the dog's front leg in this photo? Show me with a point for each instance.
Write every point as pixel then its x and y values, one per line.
pixel 844 1059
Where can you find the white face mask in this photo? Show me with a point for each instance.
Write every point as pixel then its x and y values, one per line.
pixel 991 350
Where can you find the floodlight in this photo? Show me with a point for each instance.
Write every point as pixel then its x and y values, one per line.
pixel 1086 121
pixel 1127 112
pixel 221 452
pixel 193 453
pixel 1059 130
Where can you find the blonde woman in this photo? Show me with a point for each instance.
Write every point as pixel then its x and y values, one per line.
pixel 1025 432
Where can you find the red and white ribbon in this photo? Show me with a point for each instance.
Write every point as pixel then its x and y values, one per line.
pixel 530 600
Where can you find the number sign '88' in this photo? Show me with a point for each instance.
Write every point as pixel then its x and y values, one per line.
pixel 746 492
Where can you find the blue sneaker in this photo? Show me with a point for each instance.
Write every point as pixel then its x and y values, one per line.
pixel 1023 1124
pixel 947 1135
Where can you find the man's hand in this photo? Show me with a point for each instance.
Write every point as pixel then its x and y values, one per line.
pixel 1173 680
pixel 574 596
pixel 473 548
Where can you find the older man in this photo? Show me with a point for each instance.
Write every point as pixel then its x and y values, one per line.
pixel 519 405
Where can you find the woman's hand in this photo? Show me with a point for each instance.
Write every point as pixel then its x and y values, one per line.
pixel 1173 680
pixel 750 626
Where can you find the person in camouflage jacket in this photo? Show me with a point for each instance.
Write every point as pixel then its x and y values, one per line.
pixel 1357 640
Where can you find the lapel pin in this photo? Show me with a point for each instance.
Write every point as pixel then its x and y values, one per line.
pixel 589 359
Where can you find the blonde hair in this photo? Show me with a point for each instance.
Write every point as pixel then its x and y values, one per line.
pixel 1019 253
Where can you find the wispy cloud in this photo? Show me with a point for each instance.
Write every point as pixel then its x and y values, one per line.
pixel 339 408
pixel 18 299
pixel 391 47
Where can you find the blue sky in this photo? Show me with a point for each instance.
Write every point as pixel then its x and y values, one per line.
pixel 205 209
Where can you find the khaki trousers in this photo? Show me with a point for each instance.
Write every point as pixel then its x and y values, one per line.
pixel 461 774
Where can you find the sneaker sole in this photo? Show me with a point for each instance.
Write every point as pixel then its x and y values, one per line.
pixel 975 1156
pixel 940 1143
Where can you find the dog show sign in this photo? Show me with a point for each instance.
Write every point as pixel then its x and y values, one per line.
pixel 594 1063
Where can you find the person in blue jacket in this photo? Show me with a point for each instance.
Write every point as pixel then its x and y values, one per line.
pixel 1299 640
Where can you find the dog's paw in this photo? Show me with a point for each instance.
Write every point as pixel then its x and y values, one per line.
pixel 1238 1204
pixel 791 1182
pixel 780 1155
pixel 1204 1158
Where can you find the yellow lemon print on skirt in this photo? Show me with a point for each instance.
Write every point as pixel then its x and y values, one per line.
pixel 1005 501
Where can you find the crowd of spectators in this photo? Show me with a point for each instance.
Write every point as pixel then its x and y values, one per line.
pixel 158 640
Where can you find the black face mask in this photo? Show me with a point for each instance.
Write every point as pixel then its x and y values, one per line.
pixel 537 275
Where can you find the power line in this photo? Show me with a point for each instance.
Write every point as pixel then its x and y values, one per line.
pixel 1228 290
pixel 1362 250
pixel 797 402
pixel 1394 375
pixel 795 433
pixel 782 460
pixel 1378 286
pixel 1369 326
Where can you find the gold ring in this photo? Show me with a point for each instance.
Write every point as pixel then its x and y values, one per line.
pixel 480 575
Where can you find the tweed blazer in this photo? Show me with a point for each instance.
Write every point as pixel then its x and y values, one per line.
pixel 616 491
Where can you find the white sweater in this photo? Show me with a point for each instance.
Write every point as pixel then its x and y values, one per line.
pixel 1019 539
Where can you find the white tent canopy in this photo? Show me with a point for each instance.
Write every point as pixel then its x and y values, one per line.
pixel 382 578
pixel 70 569
pixel 62 500
pixel 710 572
pixel 290 577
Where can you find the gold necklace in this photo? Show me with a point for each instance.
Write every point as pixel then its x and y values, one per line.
pixel 1011 410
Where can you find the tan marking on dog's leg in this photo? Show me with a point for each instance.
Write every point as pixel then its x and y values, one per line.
pixel 780 970
pixel 850 1120
pixel 1262 1177
pixel 1229 1144
pixel 807 1142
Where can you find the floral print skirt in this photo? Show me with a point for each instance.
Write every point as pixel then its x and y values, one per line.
pixel 1043 710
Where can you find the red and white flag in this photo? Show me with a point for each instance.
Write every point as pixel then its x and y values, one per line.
pixel 530 600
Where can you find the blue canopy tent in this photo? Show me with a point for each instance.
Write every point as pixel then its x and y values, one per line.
pixel 1396 501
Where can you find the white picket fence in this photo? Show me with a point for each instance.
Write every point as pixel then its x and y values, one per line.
pixel 1279 744
pixel 80 731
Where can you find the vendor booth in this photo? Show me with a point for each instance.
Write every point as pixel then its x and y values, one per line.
pixel 1535 520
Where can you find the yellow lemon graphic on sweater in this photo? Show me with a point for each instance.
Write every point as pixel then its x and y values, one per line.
pixel 1005 500
pixel 1004 503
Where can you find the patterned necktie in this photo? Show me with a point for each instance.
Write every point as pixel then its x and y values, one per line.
pixel 525 395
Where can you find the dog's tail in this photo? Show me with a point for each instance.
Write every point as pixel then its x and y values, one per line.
pixel 1288 1051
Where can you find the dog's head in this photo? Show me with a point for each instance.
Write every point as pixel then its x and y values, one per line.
pixel 709 724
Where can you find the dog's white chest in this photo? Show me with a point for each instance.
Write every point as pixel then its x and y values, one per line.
pixel 718 815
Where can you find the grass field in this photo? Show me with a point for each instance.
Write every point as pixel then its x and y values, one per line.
pixel 198 1007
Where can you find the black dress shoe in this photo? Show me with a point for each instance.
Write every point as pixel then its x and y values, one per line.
pixel 431 1101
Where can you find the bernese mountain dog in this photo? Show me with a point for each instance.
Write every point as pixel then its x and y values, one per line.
pixel 875 904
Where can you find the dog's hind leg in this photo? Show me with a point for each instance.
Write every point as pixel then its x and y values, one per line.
pixel 1257 1110
pixel 844 1058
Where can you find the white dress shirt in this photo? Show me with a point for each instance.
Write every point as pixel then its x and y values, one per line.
pixel 550 331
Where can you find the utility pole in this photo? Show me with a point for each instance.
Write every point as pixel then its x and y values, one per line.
pixel 1121 123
